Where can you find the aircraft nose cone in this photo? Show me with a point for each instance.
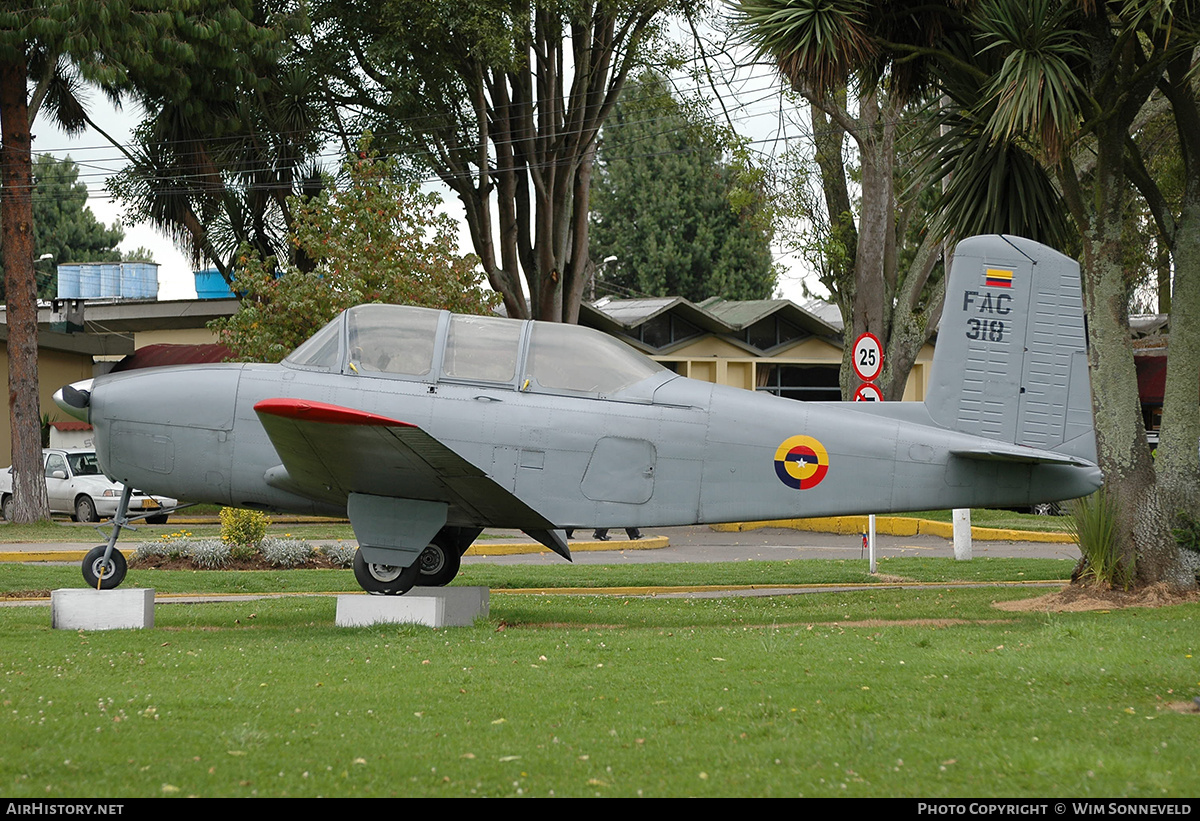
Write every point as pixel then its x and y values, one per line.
pixel 75 398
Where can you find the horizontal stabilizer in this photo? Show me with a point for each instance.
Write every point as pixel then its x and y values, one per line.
pixel 1030 456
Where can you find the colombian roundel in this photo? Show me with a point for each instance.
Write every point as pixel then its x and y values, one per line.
pixel 801 462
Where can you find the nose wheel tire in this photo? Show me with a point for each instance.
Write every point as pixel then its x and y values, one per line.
pixel 385 579
pixel 105 575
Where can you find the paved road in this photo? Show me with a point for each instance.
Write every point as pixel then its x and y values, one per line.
pixel 702 544
pixel 689 544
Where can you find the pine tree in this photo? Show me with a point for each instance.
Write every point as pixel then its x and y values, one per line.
pixel 681 218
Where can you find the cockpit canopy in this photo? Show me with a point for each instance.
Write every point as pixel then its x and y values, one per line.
pixel 429 345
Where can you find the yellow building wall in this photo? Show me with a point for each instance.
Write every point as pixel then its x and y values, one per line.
pixel 55 369
pixel 708 347
pixel 810 352
pixel 917 387
pixel 712 359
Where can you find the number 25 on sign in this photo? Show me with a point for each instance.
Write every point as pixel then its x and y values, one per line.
pixel 868 357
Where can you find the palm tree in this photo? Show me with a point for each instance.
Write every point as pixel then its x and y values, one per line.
pixel 885 276
pixel 1071 86
pixel 215 171
pixel 1040 90
pixel 117 46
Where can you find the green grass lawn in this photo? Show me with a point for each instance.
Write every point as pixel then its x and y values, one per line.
pixel 1005 519
pixel 925 693
pixel 25 577
pixel 64 531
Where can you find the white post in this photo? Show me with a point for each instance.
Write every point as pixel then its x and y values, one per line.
pixel 871 542
pixel 962 534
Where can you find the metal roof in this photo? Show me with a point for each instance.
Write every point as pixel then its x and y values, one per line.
pixel 715 315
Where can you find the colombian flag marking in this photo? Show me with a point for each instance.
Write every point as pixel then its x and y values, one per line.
pixel 998 278
pixel 801 462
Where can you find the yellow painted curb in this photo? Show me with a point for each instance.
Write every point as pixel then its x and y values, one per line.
pixel 644 543
pixel 897 526
pixel 44 556
pixel 717 588
pixel 477 549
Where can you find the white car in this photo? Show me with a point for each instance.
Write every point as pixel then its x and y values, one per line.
pixel 77 487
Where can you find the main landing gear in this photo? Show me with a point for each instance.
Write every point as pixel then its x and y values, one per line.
pixel 436 566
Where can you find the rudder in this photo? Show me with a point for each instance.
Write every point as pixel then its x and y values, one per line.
pixel 1011 356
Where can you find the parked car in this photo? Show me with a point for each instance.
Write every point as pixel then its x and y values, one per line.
pixel 77 487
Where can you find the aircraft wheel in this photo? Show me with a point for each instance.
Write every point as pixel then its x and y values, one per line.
pixel 8 507
pixel 1045 509
pixel 385 579
pixel 109 575
pixel 439 565
pixel 85 509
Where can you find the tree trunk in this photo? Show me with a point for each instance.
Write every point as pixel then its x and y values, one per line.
pixel 1178 463
pixel 16 217
pixel 864 277
pixel 1142 526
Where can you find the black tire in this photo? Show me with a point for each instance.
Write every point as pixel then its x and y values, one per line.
pixel 6 507
pixel 157 520
pixel 95 572
pixel 85 509
pixel 439 564
pixel 385 579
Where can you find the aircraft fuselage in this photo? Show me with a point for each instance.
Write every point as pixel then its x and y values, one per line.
pixel 676 451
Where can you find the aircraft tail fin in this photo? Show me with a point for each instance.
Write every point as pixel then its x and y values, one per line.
pixel 1011 357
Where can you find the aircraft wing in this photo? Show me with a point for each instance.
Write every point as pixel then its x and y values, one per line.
pixel 329 452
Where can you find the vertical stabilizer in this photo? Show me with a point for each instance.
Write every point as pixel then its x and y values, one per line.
pixel 1011 355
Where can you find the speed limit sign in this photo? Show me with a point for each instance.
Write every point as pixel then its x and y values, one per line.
pixel 868 357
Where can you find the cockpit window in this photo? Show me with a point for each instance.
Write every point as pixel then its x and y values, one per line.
pixel 391 339
pixel 321 350
pixel 573 358
pixel 482 347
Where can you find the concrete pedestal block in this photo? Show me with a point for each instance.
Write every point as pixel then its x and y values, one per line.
pixel 87 609
pixel 430 606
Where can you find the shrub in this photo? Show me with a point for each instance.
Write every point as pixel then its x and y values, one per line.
pixel 150 550
pixel 1093 526
pixel 210 554
pixel 170 546
pixel 243 528
pixel 285 552
pixel 340 554
pixel 1187 531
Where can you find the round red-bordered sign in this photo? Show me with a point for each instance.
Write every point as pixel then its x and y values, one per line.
pixel 868 392
pixel 868 357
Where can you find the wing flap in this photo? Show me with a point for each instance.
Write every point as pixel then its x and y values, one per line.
pixel 330 451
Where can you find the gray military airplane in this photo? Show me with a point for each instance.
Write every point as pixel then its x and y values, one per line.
pixel 424 427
